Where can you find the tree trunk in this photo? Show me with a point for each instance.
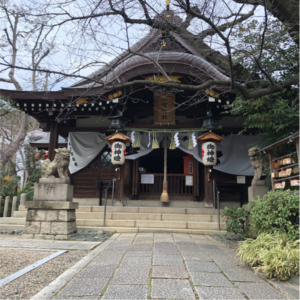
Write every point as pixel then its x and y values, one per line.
pixel 11 150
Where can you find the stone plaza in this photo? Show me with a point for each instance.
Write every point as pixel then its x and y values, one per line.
pixel 162 266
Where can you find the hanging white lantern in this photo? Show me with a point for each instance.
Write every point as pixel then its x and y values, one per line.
pixel 209 154
pixel 118 150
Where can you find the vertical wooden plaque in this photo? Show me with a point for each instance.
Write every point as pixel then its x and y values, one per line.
pixel 164 112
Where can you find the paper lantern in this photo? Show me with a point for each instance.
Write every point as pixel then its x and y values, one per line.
pixel 209 154
pixel 118 150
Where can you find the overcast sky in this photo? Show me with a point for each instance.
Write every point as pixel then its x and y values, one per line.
pixel 99 43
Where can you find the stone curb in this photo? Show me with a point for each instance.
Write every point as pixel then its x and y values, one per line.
pixel 49 291
pixel 284 291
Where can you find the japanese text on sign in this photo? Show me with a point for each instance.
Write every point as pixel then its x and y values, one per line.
pixel 188 180
pixel 117 151
pixel 210 154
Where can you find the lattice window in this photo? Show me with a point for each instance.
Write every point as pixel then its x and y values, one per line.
pixel 105 162
pixel 93 164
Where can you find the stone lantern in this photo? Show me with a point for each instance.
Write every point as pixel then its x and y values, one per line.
pixel 210 122
pixel 118 121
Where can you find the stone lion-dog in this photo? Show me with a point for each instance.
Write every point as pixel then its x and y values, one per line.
pixel 59 165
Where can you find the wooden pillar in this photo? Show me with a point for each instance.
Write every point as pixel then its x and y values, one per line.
pixel 119 191
pixel 53 140
pixel 127 177
pixel 196 178
pixel 208 187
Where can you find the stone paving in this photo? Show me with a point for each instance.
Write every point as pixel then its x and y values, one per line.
pixel 160 266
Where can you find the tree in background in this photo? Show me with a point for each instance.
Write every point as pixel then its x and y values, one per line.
pixel 270 52
pixel 32 158
pixel 23 36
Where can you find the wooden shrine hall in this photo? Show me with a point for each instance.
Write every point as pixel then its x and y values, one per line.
pixel 162 124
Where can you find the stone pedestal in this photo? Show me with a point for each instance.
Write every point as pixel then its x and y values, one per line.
pixel 50 219
pixel 52 213
pixel 257 190
pixel 53 192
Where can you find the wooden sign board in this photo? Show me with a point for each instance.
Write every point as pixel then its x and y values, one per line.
pixel 241 179
pixel 189 180
pixel 164 112
pixel 147 179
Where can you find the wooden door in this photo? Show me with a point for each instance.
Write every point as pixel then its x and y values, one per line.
pixel 86 181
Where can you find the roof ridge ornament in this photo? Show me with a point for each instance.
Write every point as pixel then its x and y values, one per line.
pixel 168 4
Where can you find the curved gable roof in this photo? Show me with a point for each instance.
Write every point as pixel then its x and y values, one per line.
pixel 172 62
pixel 143 46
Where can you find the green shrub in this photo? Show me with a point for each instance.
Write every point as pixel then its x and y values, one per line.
pixel 28 190
pixel 236 218
pixel 276 211
pixel 275 255
pixel 9 184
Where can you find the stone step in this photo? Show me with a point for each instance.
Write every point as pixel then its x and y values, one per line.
pixel 178 224
pixel 20 214
pixel 14 221
pixel 195 218
pixel 130 223
pixel 137 209
pixel 143 216
pixel 149 229
pixel 140 203
pixel 149 210
pixel 150 223
pixel 11 227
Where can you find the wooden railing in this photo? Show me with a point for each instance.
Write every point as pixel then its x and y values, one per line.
pixel 176 185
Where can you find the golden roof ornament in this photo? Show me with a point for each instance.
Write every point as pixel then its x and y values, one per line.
pixel 114 95
pixel 168 4
pixel 163 79
pixel 82 101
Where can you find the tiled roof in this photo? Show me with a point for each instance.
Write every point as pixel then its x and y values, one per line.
pixel 128 58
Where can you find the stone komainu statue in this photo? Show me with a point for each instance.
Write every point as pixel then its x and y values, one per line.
pixel 257 162
pixel 59 165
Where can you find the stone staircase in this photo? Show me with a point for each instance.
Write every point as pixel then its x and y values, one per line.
pixel 135 219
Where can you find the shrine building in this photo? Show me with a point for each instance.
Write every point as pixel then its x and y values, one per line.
pixel 162 125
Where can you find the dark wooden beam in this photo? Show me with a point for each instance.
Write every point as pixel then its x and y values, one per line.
pixel 119 185
pixel 46 145
pixel 84 129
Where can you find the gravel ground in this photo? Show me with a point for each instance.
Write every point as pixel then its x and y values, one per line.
pixel 29 284
pixel 82 235
pixel 12 261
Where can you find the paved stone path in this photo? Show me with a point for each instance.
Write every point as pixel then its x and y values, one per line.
pixel 160 266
